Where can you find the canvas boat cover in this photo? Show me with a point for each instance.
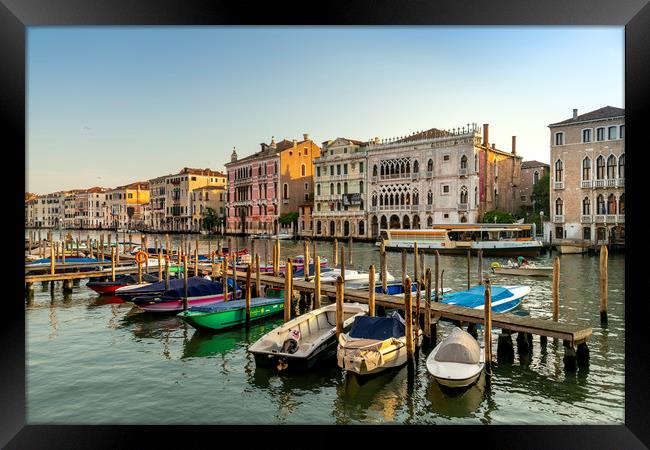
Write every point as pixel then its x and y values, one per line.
pixel 459 347
pixel 177 287
pixel 68 259
pixel 235 304
pixel 476 296
pixel 378 328
pixel 301 272
pixel 369 337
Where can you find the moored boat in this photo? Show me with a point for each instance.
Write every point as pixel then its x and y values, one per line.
pixel 373 344
pixel 504 298
pixel 109 287
pixel 200 292
pixel 316 338
pixel 230 314
pixel 457 361
pixel 529 270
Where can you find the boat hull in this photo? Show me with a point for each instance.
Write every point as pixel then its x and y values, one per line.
pixel 537 272
pixel 222 320
pixel 176 306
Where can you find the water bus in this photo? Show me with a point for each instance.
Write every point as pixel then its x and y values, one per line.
pixel 493 239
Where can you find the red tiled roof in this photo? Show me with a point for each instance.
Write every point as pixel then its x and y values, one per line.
pixel 599 114
pixel 205 172
pixel 531 164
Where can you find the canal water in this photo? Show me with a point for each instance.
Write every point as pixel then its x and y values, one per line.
pixel 91 361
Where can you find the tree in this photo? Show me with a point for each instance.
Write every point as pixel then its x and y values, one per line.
pixel 210 219
pixel 541 196
pixel 500 216
pixel 288 218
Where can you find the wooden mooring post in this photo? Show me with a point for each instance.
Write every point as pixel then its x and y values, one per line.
pixel 343 263
pixel 52 259
pixel 306 259
pixel 480 266
pixel 418 298
pixel 469 265
pixel 185 282
pixel 287 291
pixel 340 294
pixel 415 262
pixel 335 253
pixel 427 305
pixel 113 261
pixel 224 275
pixel 383 270
pixel 258 287
pixel 167 260
pixel 248 294
pixel 160 267
pixel 350 251
pixel 603 284
pixel 404 268
pixel 371 290
pixel 408 318
pixel 316 281
pixel 556 289
pixel 487 327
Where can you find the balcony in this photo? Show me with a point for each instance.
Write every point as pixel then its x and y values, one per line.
pixel 586 219
pixel 620 182
pixel 599 218
pixel 558 185
pixel 462 207
pixel 585 184
pixel 610 182
pixel 462 172
pixel 373 209
pixel 599 183
pixel 415 208
pixel 610 218
pixel 558 219
pixel 395 176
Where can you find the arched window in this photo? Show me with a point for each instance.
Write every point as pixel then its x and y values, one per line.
pixel 558 170
pixel 430 165
pixel 374 170
pixel 476 196
pixel 381 200
pixel 621 204
pixel 621 166
pixel 600 168
pixel 558 207
pixel 362 229
pixel 611 167
pixel 331 188
pixel 360 187
pixel 318 227
pixel 586 169
pixel 408 199
pixel 401 200
pixel 430 198
pixel 303 170
pixel 338 188
pixel 345 187
pixel 611 204
pixel 586 206
pixel 600 205
pixel 475 163
pixel 463 195
pixel 318 189
pixel 374 199
pixel 536 177
pixel 275 167
pixel 430 221
pixel 402 169
pixel 285 191
pixel 463 162
pixel 416 167
pixel 391 200
pixel 382 170
pixel 408 168
pixel 416 198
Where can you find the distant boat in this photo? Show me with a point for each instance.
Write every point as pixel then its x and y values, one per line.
pixel 373 344
pixel 571 246
pixel 350 276
pixel 457 361
pixel 316 332
pixel 504 298
pixel 529 270
pixel 230 314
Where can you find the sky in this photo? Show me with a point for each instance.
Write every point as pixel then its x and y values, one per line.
pixel 107 106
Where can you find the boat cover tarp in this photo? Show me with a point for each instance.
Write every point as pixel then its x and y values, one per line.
pixel 71 260
pixel 475 296
pixel 301 272
pixel 236 304
pixel 459 347
pixel 176 285
pixel 379 328
pixel 196 287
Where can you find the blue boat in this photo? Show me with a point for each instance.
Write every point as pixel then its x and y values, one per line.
pixel 504 298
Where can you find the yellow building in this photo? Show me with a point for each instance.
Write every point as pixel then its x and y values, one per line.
pixel 124 205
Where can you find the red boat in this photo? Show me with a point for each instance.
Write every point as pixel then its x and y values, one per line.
pixel 109 287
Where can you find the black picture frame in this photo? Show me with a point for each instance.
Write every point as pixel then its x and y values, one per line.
pixel 16 15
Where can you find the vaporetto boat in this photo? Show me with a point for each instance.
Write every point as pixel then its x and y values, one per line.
pixel 492 239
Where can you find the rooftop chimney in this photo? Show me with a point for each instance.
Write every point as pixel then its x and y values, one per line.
pixel 493 144
pixel 575 113
pixel 294 142
pixel 233 156
pixel 305 136
pixel 485 134
pixel 514 145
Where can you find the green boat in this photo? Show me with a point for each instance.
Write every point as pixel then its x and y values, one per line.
pixel 230 314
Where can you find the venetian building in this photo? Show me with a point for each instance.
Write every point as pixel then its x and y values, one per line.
pixel 437 177
pixel 587 190
pixel 340 194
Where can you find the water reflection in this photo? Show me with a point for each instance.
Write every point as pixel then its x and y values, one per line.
pixel 454 402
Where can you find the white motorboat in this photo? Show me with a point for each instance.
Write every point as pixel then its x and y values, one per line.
pixel 351 277
pixel 457 361
pixel 302 342
pixel 530 270
pixel 374 344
